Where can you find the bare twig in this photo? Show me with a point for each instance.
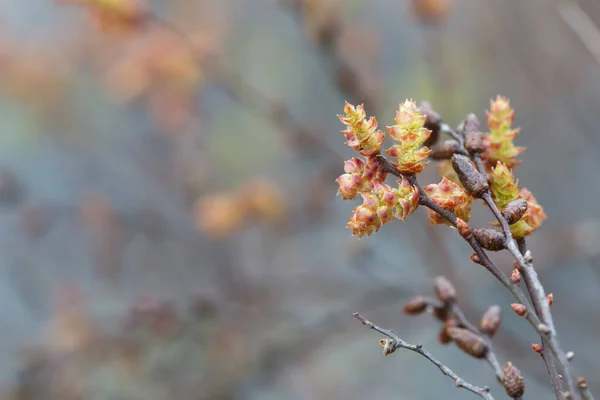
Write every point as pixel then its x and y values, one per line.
pixel 396 342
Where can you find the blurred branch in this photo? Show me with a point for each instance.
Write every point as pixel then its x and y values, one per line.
pixel 395 342
pixel 328 37
pixel 582 25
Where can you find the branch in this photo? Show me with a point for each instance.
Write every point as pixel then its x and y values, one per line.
pixel 537 293
pixel 396 342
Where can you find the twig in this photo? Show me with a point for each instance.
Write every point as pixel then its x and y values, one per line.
pixel 545 353
pixel 396 343
pixel 490 355
pixel 584 390
pixel 537 293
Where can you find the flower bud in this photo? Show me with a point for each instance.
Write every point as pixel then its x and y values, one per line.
pixel 489 239
pixel 475 258
pixel 474 183
pixel 513 381
pixel 449 196
pixel 550 299
pixel 446 150
pixel 416 305
pixel 444 290
pixel 365 219
pixel 463 228
pixel 473 136
pixel 469 342
pixel 490 322
pixel 514 211
pixel 582 383
pixel 515 276
pixel 538 348
pixel 362 133
pixel 443 336
pixel 388 346
pixel 520 309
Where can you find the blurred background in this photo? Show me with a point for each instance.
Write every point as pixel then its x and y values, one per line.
pixel 168 221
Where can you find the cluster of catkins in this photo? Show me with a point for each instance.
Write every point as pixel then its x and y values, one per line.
pixel 415 129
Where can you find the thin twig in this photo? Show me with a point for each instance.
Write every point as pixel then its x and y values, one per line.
pixel 396 343
pixel 537 293
pixel 490 355
pixel 584 390
pixel 547 357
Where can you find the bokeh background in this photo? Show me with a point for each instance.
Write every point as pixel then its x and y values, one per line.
pixel 169 227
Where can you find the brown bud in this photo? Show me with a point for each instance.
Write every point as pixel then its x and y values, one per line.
pixel 513 381
pixel 514 211
pixel 475 258
pixel 475 183
pixel 473 136
pixel 444 290
pixel 462 227
pixel 441 313
pixel 520 309
pixel 490 322
pixel 537 347
pixel 469 342
pixel 445 150
pixel 515 276
pixel 443 336
pixel 489 239
pixel 433 122
pixel 582 382
pixel 516 264
pixel 416 305
pixel 550 299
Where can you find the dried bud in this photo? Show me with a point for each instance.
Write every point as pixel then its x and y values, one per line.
pixel 515 276
pixel 490 322
pixel 514 211
pixel 537 347
pixel 489 239
pixel 388 346
pixel 441 313
pixel 443 336
pixel 550 299
pixel 520 309
pixel 444 290
pixel 475 258
pixel 474 183
pixel 445 151
pixel 513 381
pixel 433 122
pixel 469 342
pixel 463 228
pixel 416 305
pixel 473 136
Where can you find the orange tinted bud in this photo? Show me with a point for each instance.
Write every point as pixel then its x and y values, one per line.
pixel 499 141
pixel 520 309
pixel 219 214
pixel 463 228
pixel 550 299
pixel 361 133
pixel 449 196
pixel 515 276
pixel 537 347
pixel 475 258
pixel 431 11
pixel 365 219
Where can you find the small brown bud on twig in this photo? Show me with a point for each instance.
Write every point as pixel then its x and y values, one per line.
pixel 550 299
pixel 490 322
pixel 514 211
pixel 416 305
pixel 445 150
pixel 520 309
pixel 537 347
pixel 489 239
pixel 473 135
pixel 475 183
pixel 469 342
pixel 463 228
pixel 444 290
pixel 443 336
pixel 433 122
pixel 513 381
pixel 475 258
pixel 388 346
pixel 582 382
pixel 516 264
pixel 515 276
pixel 570 355
pixel 441 313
